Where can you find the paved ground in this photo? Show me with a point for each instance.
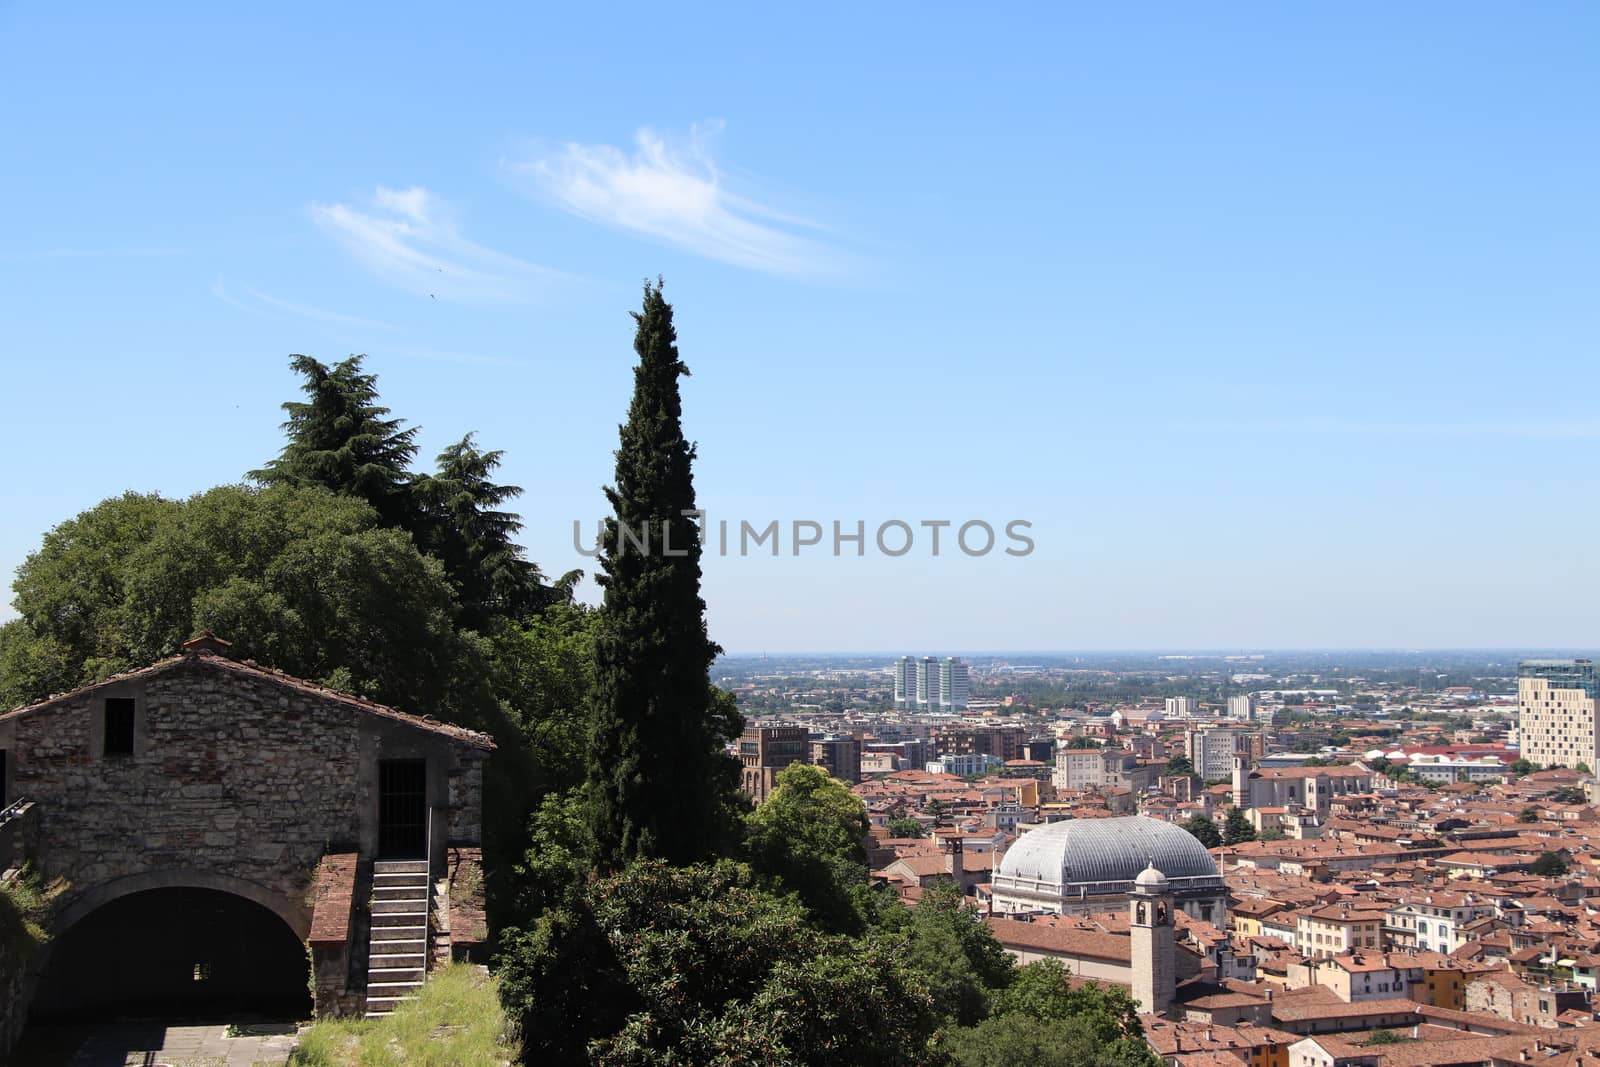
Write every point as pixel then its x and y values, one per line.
pixel 153 1044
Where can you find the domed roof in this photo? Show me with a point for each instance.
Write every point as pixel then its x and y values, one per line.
pixel 1150 878
pixel 1081 852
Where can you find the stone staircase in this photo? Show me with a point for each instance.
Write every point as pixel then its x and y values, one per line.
pixel 397 960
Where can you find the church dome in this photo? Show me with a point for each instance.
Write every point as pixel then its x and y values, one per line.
pixel 1150 878
pixel 1097 856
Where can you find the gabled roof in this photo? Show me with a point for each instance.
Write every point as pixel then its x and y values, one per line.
pixel 210 653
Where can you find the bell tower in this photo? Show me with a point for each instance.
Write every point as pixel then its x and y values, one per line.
pixel 1154 946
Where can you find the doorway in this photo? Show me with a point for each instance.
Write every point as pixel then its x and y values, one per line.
pixel 402 809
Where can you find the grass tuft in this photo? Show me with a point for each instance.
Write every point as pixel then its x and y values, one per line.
pixel 455 1021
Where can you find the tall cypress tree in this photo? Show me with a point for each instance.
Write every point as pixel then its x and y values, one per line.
pixel 660 784
pixel 341 439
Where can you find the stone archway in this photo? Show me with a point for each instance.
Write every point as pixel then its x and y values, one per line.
pixel 295 914
pixel 175 944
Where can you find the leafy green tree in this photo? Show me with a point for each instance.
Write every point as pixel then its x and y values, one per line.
pixel 1528 815
pixel 1522 767
pixel 1237 828
pixel 905 827
pixel 1044 990
pixel 1272 833
pixel 298 578
pixel 1549 865
pixel 955 952
pixel 680 965
pixel 809 834
pixel 660 784
pixel 1204 830
pixel 341 438
pixel 1569 794
pixel 543 669
pixel 1179 767
pixel 1014 1038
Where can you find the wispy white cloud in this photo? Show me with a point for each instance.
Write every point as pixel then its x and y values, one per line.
pixel 675 193
pixel 410 239
pixel 258 303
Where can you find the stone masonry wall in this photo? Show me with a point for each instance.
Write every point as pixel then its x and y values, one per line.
pixel 233 775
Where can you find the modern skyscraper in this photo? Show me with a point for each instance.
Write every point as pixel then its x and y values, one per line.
pixel 928 684
pixel 1242 708
pixel 905 682
pixel 954 688
pixel 1556 720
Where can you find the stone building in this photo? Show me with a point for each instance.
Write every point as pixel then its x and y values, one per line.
pixel 764 751
pixel 1084 865
pixel 212 818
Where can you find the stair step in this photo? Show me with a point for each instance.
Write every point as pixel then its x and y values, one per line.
pixel 417 881
pixel 400 892
pixel 386 977
pixel 400 867
pixel 389 935
pixel 389 907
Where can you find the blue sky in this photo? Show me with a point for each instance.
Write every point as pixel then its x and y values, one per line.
pixel 1278 324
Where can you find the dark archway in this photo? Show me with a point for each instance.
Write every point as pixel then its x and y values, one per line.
pixel 175 953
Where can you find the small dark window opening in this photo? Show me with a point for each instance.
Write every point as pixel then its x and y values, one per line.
pixel 119 726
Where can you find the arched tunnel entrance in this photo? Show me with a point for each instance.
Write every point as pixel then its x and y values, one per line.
pixel 175 953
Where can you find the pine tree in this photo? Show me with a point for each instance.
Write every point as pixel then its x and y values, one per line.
pixel 660 784
pixel 341 440
pixel 1237 829
pixel 466 530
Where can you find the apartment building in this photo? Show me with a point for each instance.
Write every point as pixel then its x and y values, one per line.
pixel 1556 721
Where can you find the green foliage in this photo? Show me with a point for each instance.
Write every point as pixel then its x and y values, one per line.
pixel 455 1021
pixel 1044 990
pixel 809 834
pixel 1237 828
pixel 1386 1037
pixel 698 964
pixel 297 578
pixel 462 525
pixel 1179 767
pixel 1204 830
pixel 1272 833
pixel 341 439
pixel 24 912
pixel 1521 767
pixel 660 784
pixel 956 952
pixel 554 865
pixel 1014 1038
pixel 1527 815
pixel 905 827
pixel 1549 865
pixel 542 668
pixel 1569 794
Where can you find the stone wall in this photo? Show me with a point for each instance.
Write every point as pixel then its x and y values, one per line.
pixel 232 774
pixel 240 780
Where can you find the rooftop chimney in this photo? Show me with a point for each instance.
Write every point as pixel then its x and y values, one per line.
pixel 209 643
